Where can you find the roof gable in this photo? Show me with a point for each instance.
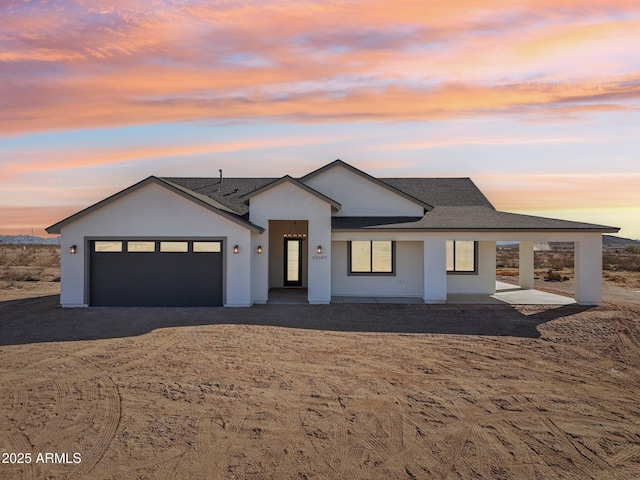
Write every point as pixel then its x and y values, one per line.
pixel 201 200
pixel 296 183
pixel 366 176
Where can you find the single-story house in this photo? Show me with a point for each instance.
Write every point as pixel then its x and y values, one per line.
pixel 336 231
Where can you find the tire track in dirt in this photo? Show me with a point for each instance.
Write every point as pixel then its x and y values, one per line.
pixel 490 443
pixel 354 433
pixel 79 421
pixel 513 449
pixel 151 350
pixel 16 441
pixel 474 460
pixel 374 434
pixel 63 406
pixel 109 393
pixel 587 458
pixel 13 412
pixel 318 423
pixel 72 415
pixel 627 342
pixel 337 460
pixel 18 403
pixel 627 455
pixel 167 469
pixel 129 353
pixel 207 437
pixel 153 462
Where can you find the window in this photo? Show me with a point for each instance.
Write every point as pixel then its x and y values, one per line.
pixel 206 247
pixel 461 256
pixel 372 257
pixel 107 246
pixel 141 246
pixel 174 246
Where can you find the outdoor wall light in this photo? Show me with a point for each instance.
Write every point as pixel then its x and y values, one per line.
pixel 319 250
pixel 236 249
pixel 73 249
pixel 259 249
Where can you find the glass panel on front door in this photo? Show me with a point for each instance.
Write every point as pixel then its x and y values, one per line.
pixel 292 262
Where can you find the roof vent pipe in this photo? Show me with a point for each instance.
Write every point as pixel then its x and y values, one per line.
pixel 220 186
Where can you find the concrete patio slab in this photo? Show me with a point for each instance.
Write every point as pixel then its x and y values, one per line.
pixel 512 295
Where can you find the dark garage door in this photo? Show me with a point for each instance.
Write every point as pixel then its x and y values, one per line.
pixel 152 273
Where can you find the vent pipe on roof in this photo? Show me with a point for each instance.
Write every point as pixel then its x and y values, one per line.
pixel 220 185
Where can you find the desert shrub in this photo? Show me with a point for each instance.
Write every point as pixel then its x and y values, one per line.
pixel 25 258
pixel 25 276
pixel 506 272
pixel 632 249
pixel 621 261
pixel 506 258
pixel 615 278
pixel 47 261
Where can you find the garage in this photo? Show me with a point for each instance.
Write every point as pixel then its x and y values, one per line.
pixel 155 273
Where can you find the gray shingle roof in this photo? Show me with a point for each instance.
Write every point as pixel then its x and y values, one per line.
pixel 458 205
pixel 229 195
pixel 465 218
pixel 441 191
pixel 432 191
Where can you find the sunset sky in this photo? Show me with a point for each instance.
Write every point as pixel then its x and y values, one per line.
pixel 537 101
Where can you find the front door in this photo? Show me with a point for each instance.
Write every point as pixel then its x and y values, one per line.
pixel 292 262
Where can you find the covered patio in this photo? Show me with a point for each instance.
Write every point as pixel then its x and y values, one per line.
pixel 506 293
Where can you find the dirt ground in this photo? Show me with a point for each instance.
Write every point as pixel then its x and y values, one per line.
pixel 321 392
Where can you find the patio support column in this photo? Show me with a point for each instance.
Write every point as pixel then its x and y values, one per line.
pixel 435 270
pixel 588 269
pixel 525 258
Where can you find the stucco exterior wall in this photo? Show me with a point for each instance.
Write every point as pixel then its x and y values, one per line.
pixel 289 202
pixel 407 282
pixel 153 212
pixel 482 283
pixel 359 196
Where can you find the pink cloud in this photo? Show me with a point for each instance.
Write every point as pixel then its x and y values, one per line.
pixel 21 219
pixel 36 161
pixel 552 192
pixel 69 65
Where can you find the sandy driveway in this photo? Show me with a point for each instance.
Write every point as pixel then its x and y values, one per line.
pixel 322 392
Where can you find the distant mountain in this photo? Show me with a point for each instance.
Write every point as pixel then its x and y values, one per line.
pixel 613 241
pixel 27 240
